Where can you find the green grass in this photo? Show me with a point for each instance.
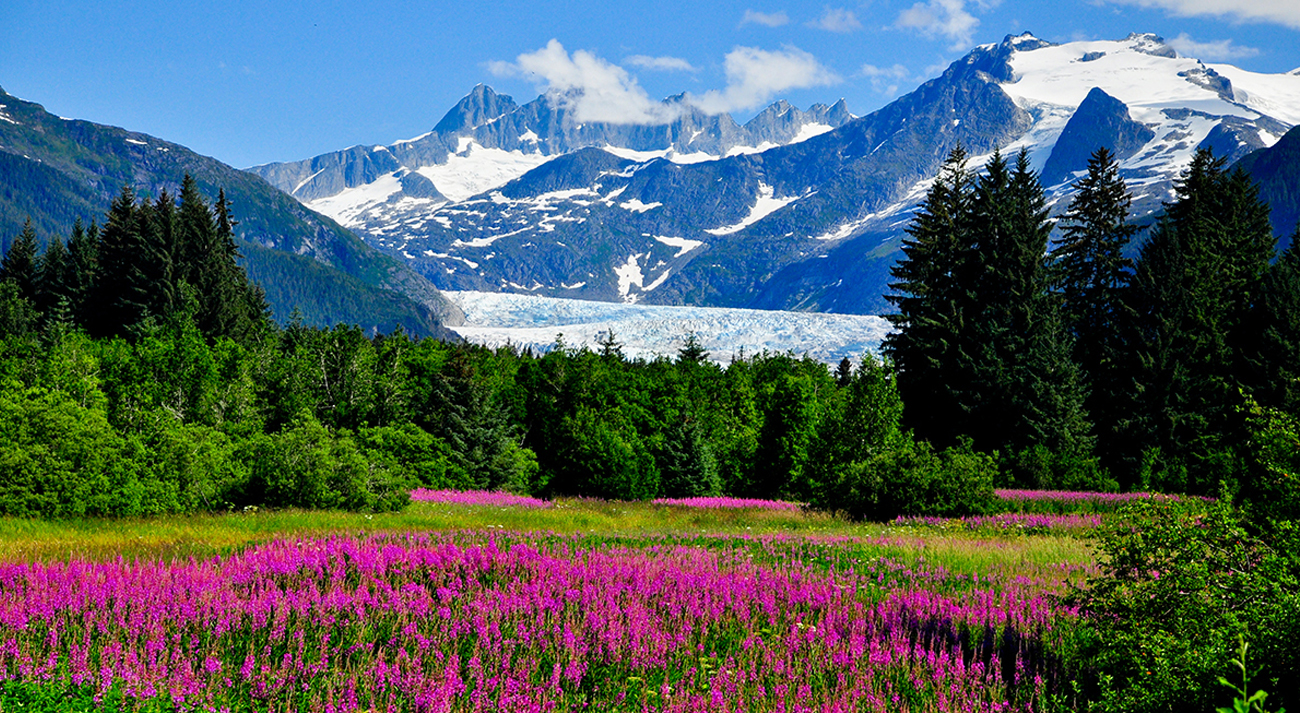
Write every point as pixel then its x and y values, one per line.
pixel 172 537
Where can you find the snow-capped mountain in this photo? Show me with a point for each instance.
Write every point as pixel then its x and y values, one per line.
pixel 487 140
pixel 521 199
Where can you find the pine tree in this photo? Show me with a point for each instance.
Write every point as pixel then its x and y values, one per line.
pixel 929 296
pixel 19 263
pixel 120 298
pixel 81 264
pixel 1269 360
pixel 1091 271
pixel 51 277
pixel 1018 387
pixel 157 261
pixel 1191 289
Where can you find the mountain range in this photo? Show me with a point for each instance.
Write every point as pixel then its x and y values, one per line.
pixel 54 171
pixel 795 209
pixel 792 210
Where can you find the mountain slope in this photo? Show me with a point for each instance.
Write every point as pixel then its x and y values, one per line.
pixel 56 170
pixel 1277 171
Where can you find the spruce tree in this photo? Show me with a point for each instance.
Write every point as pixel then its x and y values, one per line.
pixel 1091 271
pixel 1191 290
pixel 120 297
pixel 19 263
pixel 81 264
pixel 51 277
pixel 1269 360
pixel 1018 386
pixel 929 296
pixel 158 238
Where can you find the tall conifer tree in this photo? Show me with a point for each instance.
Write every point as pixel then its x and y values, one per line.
pixel 19 263
pixel 1091 271
pixel 120 297
pixel 929 298
pixel 1191 289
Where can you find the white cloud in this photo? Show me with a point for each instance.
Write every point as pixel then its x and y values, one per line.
pixel 1218 51
pixel 884 80
pixel 837 19
pixel 755 75
pixel 1282 12
pixel 940 18
pixel 663 64
pixel 591 88
pixel 768 19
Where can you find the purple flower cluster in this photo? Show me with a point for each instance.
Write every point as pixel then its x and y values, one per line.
pixel 1065 501
pixel 494 498
pixel 1029 523
pixel 730 503
pixel 479 622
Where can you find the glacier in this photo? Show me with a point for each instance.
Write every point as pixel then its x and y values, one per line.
pixel 496 319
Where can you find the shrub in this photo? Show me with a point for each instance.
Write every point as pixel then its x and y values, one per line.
pixel 59 458
pixel 307 466
pixel 914 480
pixel 1180 582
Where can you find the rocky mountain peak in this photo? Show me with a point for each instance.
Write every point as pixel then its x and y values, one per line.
pixel 479 107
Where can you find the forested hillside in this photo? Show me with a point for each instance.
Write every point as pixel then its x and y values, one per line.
pixel 56 171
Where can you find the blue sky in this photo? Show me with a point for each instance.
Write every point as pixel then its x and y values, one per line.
pixel 254 82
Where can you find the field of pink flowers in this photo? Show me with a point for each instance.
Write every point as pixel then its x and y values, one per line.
pixel 496 621
pixel 1011 522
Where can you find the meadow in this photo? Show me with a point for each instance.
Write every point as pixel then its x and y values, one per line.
pixel 462 602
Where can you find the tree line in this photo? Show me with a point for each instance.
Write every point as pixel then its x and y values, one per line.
pixel 141 374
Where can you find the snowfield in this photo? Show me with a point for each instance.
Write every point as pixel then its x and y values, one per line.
pixel 495 319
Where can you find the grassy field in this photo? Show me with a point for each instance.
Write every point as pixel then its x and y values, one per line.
pixel 587 605
pixel 182 537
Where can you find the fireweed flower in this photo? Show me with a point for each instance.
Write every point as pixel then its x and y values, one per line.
pixel 492 498
pixel 730 503
pixel 478 621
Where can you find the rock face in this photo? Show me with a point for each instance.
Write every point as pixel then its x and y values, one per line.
pixel 1101 120
pixel 793 210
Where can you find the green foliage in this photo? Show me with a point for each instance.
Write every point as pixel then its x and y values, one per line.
pixel 1244 702
pixel 913 479
pixel 19 265
pixel 1180 582
pixel 308 466
pixel 607 458
pixel 1190 297
pixel 59 458
pixel 413 454
pixel 981 347
pixel 687 466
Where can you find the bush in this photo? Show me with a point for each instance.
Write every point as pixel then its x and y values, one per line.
pixel 59 458
pixel 914 480
pixel 1180 583
pixel 414 454
pixel 606 459
pixel 1039 468
pixel 307 466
